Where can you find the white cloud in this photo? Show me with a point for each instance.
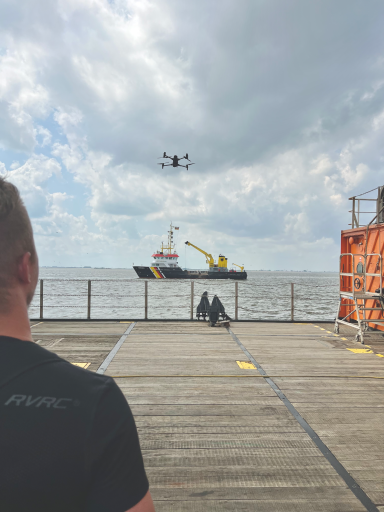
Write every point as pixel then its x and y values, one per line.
pixel 31 178
pixel 282 129
pixel 45 135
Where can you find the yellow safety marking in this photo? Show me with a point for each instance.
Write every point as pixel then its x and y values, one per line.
pixel 302 323
pixel 379 355
pixel 345 339
pixel 321 329
pixel 36 324
pixel 369 346
pixel 329 332
pixel 82 365
pixel 126 322
pixel 360 350
pixel 244 365
pixel 337 335
pixel 316 326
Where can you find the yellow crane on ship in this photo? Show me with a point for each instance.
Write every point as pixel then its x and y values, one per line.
pixel 240 267
pixel 209 258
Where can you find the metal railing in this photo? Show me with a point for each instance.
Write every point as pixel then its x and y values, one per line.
pixel 143 299
pixel 357 207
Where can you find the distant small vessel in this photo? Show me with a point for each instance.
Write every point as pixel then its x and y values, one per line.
pixel 165 265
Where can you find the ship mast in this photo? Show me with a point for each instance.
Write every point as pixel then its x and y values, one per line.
pixel 170 239
pixel 170 245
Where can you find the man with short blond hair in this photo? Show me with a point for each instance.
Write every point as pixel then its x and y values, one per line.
pixel 68 440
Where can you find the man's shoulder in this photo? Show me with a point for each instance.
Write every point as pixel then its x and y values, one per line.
pixel 69 374
pixel 27 361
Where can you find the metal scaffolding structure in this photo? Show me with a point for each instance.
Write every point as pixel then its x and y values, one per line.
pixel 356 298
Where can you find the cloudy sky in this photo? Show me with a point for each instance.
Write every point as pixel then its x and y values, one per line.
pixel 280 104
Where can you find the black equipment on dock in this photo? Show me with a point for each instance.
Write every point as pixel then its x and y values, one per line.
pixel 203 308
pixel 214 311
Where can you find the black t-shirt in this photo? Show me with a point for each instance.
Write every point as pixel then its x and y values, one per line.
pixel 68 440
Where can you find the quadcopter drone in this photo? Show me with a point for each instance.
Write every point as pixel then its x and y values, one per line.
pixel 175 161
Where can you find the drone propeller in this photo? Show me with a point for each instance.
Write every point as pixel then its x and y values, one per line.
pixel 188 165
pixel 186 157
pixel 162 165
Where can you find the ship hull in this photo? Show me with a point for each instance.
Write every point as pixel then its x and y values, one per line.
pixel 178 273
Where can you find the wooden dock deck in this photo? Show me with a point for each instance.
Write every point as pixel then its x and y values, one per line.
pixel 218 437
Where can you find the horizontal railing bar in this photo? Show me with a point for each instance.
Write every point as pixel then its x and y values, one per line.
pixel 123 319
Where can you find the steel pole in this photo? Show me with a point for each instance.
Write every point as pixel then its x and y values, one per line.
pixel 292 302
pixel 146 300
pixel 41 299
pixel 192 294
pixel 89 300
pixel 236 300
pixel 353 213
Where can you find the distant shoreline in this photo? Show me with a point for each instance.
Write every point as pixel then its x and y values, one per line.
pixel 249 270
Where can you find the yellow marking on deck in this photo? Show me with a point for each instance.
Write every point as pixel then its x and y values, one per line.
pixel 126 322
pixel 36 324
pixel 345 339
pixel 302 323
pixel 321 329
pixel 379 355
pixel 360 350
pixel 82 365
pixel 244 365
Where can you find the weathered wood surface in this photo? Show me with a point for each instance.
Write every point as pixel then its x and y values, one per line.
pixel 346 413
pixel 79 342
pixel 227 443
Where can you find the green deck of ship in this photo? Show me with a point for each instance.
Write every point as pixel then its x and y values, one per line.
pixel 216 437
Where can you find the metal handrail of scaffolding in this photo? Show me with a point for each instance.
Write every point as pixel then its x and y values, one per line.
pixel 358 295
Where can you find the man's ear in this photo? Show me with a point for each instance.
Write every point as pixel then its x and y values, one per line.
pixel 24 268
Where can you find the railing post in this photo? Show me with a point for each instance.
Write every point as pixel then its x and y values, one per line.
pixel 192 293
pixel 41 299
pixel 292 303
pixel 358 213
pixel 236 300
pixel 89 300
pixel 353 213
pixel 146 300
pixel 378 205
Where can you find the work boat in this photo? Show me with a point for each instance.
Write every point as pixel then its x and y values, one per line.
pixel 165 265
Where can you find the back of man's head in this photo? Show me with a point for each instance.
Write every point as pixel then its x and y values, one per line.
pixel 16 235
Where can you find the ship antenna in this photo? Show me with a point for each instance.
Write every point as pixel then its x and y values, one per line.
pixel 170 239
